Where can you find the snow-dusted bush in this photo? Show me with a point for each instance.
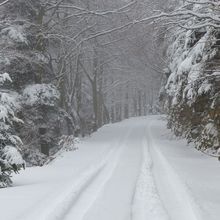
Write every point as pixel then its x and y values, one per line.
pixel 40 94
pixel 25 53
pixel 14 34
pixel 67 143
pixel 209 137
pixel 10 157
pixel 33 157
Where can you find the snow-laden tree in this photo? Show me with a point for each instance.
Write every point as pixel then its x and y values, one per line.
pixel 10 157
pixel 95 52
pixel 78 64
pixel 192 87
pixel 24 54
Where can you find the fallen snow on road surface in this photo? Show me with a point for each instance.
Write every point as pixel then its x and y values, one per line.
pixel 132 170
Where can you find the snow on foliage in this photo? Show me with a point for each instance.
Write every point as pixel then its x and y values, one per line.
pixel 12 155
pixel 209 137
pixel 192 87
pixel 204 88
pixel 4 77
pixel 10 158
pixel 67 143
pixel 8 100
pixel 33 157
pixel 4 60
pixel 187 65
pixel 8 104
pixel 43 94
pixel 15 33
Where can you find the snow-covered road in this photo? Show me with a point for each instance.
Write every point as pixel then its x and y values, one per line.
pixel 132 170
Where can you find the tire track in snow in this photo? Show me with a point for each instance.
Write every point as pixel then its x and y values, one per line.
pixel 177 198
pixel 115 200
pixel 95 188
pixel 88 186
pixel 43 208
pixel 57 208
pixel 146 202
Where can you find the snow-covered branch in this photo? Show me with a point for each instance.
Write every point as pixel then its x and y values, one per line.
pixel 4 2
pixel 98 13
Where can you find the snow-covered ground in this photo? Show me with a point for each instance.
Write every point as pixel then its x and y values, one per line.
pixel 132 170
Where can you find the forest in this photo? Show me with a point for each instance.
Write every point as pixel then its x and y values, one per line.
pixel 69 68
pixel 109 110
